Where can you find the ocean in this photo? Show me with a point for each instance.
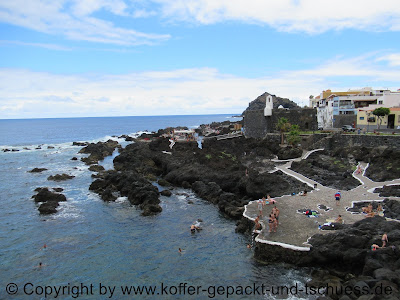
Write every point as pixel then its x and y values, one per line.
pixel 99 250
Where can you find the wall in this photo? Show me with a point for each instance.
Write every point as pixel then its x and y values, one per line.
pixel 306 118
pixel 370 141
pixel 274 253
pixel 340 120
pixel 255 123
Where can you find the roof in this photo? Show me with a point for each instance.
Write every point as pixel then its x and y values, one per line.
pixel 391 109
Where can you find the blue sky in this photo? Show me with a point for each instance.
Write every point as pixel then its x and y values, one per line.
pixel 73 58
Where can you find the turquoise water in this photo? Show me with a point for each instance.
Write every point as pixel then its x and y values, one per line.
pixel 90 242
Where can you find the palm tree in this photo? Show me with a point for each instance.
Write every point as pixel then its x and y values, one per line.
pixel 283 126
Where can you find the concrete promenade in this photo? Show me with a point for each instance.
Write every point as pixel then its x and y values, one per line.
pixel 294 228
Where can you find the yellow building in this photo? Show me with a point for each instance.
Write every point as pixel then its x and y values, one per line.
pixel 361 92
pixel 365 119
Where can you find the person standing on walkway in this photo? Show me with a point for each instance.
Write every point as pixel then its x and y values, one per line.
pixel 260 207
pixel 276 212
pixel 337 198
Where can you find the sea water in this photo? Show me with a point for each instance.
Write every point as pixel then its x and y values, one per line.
pixel 100 250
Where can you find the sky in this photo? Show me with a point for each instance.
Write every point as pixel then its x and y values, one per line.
pixel 88 58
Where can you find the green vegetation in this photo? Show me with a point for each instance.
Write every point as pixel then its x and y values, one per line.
pixel 283 126
pixel 380 112
pixel 227 155
pixel 208 156
pixel 294 135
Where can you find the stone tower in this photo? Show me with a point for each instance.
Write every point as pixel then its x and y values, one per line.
pixel 268 106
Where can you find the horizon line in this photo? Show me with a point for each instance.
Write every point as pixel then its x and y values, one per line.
pixel 38 118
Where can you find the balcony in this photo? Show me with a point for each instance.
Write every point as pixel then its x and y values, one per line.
pixel 349 106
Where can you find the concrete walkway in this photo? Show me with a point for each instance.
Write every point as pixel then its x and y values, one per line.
pixel 294 228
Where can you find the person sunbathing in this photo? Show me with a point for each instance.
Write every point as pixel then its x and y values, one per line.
pixel 367 209
pixel 304 193
pixel 339 219
pixel 370 214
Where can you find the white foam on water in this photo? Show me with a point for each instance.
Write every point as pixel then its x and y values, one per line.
pixel 139 133
pixel 61 146
pixel 121 199
pixel 68 210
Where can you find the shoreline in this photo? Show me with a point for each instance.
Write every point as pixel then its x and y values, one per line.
pixel 230 174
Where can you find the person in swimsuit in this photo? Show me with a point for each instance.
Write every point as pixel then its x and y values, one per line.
pixel 276 212
pixel 339 219
pixel 337 198
pixel 370 215
pixel 192 228
pixel 260 207
pixel 270 200
pixel 374 247
pixel 271 222
pixel 275 223
pixel 385 240
pixel 40 265
pixel 367 209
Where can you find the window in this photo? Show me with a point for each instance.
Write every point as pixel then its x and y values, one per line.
pixel 380 102
pixel 361 118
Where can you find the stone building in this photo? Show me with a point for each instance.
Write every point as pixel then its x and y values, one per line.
pixel 258 122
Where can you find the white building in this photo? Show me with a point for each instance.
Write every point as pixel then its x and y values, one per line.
pixel 335 109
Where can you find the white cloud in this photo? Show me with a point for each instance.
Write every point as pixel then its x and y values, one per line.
pixel 311 16
pixel 392 59
pixel 74 20
pixel 186 91
pixel 40 45
pixel 87 7
pixel 79 19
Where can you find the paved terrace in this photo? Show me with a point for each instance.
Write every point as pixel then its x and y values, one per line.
pixel 294 228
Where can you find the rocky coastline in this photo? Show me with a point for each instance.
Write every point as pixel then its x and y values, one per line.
pixel 230 173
